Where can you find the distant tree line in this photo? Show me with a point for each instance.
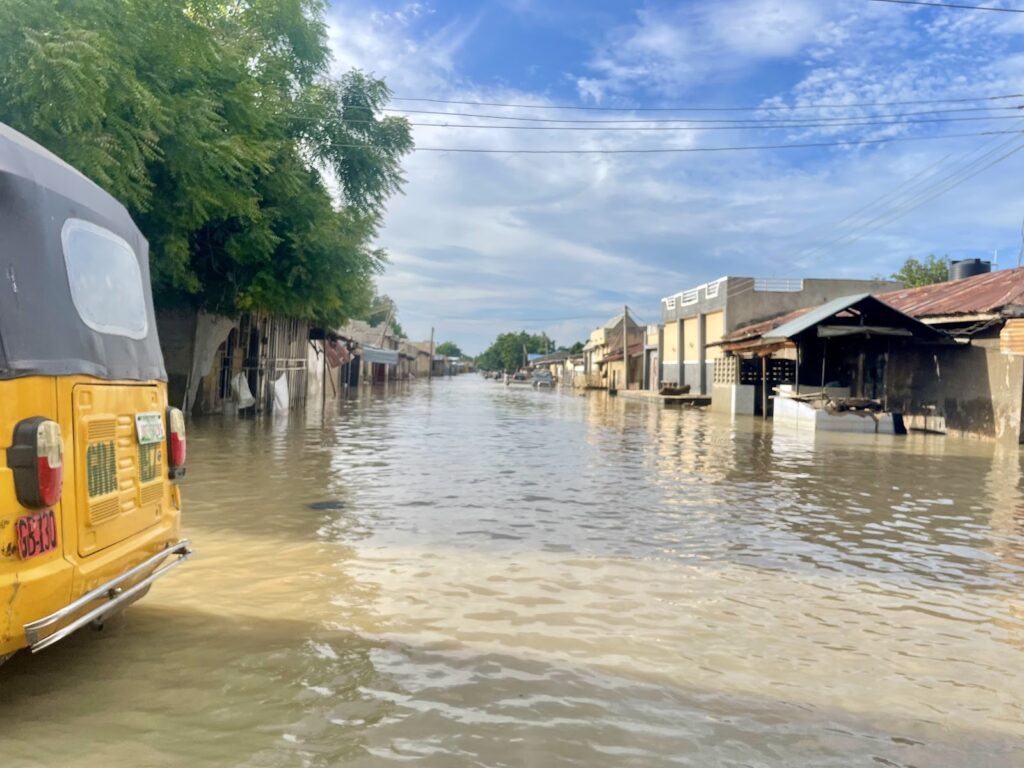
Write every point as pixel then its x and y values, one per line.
pixel 448 349
pixel 508 351
pixel 259 181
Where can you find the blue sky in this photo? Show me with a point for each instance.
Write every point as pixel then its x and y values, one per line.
pixel 481 243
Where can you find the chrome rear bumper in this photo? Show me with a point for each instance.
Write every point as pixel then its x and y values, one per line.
pixel 115 596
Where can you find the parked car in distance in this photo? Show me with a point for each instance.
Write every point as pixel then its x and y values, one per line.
pixel 543 379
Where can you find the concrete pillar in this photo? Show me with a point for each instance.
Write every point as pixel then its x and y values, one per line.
pixel 702 376
pixel 661 357
pixel 680 355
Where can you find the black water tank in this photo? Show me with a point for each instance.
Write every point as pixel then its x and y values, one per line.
pixel 958 270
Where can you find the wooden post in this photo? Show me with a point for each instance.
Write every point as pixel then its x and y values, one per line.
pixel 824 350
pixel 625 349
pixel 885 375
pixel 323 380
pixel 430 367
pixel 764 387
pixel 796 383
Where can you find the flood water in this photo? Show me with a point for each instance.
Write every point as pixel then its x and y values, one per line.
pixel 466 574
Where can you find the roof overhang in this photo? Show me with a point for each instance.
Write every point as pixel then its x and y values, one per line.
pixel 978 317
pixel 859 306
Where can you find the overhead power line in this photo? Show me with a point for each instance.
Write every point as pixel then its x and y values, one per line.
pixel 851 219
pixel 908 196
pixel 913 205
pixel 687 150
pixel 516 118
pixel 702 127
pixel 581 107
pixel 959 6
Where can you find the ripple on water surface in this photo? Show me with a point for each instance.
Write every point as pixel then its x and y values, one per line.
pixel 462 573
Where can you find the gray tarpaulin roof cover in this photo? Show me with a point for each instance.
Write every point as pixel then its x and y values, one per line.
pixel 377 355
pixel 41 331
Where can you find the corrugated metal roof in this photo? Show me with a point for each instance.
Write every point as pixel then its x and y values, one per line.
pixel 812 317
pixel 757 329
pixel 980 294
pixel 862 302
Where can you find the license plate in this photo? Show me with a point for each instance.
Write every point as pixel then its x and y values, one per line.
pixel 150 427
pixel 37 534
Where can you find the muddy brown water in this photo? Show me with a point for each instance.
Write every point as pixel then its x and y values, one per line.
pixel 467 574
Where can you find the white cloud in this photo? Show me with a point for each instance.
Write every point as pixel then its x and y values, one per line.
pixel 486 243
pixel 669 50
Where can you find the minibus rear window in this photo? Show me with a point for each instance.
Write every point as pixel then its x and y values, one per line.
pixel 106 282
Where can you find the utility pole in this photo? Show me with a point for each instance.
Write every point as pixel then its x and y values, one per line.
pixel 625 349
pixel 430 368
pixel 387 324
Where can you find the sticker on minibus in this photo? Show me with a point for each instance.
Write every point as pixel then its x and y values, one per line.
pixel 37 534
pixel 150 426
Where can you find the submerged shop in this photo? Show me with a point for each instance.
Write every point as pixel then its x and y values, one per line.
pixel 945 358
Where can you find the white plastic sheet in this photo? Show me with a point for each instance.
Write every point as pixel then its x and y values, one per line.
pixel 211 331
pixel 241 392
pixel 281 400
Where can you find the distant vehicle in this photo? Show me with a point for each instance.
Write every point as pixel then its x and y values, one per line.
pixel 83 399
pixel 543 379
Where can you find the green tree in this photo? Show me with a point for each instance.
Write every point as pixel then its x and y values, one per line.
pixel 217 125
pixel 509 350
pixel 914 273
pixel 448 349
pixel 576 348
pixel 381 308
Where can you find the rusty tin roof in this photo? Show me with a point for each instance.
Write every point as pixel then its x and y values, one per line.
pixel 978 295
pixel 981 294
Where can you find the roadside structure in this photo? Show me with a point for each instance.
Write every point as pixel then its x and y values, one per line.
pixel 603 356
pixel 945 358
pixel 826 358
pixel 375 353
pixel 217 363
pixel 555 363
pixel 209 355
pixel 695 320
pixel 652 360
pixel 423 352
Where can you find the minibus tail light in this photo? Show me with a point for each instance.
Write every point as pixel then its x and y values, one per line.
pixel 36 457
pixel 176 445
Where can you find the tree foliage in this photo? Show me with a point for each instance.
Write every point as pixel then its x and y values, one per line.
pixel 259 181
pixel 507 351
pixel 448 349
pixel 382 308
pixel 914 273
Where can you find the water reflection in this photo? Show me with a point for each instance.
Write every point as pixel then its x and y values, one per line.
pixel 471 574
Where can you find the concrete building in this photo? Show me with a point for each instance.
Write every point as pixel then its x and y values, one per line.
pixel 603 358
pixel 652 360
pixel 695 320
pixel 420 353
pixel 375 351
